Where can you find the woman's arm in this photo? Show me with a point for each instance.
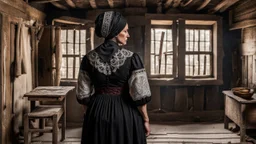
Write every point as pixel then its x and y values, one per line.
pixel 143 111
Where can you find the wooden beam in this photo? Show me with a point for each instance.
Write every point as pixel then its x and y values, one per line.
pixel 176 3
pixel 111 3
pixel 247 14
pixel 58 5
pixel 70 3
pixel 230 3
pixel 43 1
pixel 72 20
pixel 204 4
pixel 168 4
pixel 243 24
pixel 143 3
pixel 185 4
pixel 219 6
pixel 93 4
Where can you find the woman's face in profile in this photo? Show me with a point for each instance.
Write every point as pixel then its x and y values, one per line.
pixel 122 37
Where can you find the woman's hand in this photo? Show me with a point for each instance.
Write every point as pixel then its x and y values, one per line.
pixel 147 128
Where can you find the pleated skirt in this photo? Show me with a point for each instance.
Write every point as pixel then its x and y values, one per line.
pixel 112 120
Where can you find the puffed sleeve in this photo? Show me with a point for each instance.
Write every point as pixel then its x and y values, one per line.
pixel 84 87
pixel 138 82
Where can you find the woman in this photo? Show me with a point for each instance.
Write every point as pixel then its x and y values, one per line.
pixel 113 84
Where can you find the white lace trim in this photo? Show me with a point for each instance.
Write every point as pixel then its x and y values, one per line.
pixel 116 61
pixel 84 87
pixel 106 23
pixel 139 86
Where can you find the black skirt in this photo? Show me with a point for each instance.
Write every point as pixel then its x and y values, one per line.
pixel 112 120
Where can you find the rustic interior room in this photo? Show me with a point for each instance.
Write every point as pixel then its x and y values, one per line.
pixel 200 58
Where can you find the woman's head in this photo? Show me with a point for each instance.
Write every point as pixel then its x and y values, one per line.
pixel 112 25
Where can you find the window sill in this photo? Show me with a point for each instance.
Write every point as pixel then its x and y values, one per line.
pixel 186 82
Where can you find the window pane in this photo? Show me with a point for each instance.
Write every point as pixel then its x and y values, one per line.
pixel 152 60
pixel 202 37
pixel 83 49
pixel 70 48
pixel 76 72
pixel 70 62
pixel 63 72
pixel 63 36
pixel 64 50
pixel 83 36
pixel 207 35
pixel 77 62
pixel 64 62
pixel 152 51
pixel 169 35
pixel 70 73
pixel 71 36
pixel 152 34
pixel 77 38
pixel 77 49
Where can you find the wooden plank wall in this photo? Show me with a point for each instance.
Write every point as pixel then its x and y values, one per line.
pixel 243 16
pixel 185 99
pixel 11 10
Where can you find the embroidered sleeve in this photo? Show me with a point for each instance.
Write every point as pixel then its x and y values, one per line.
pixel 84 87
pixel 139 86
pixel 138 82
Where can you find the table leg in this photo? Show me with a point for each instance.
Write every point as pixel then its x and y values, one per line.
pixel 63 124
pixel 243 124
pixel 226 122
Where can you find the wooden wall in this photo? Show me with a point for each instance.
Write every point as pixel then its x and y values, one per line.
pixel 243 16
pixel 11 12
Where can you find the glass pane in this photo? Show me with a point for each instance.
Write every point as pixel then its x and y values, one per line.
pixel 70 36
pixel 187 35
pixel 77 62
pixel 63 36
pixel 157 43
pixel 63 72
pixel 64 62
pixel 77 38
pixel 202 37
pixel 77 49
pixel 207 46
pixel 83 49
pixel 70 73
pixel 169 64
pixel 187 46
pixel 76 72
pixel 70 62
pixel 152 51
pixel 191 35
pixel 157 64
pixel 202 47
pixel 169 46
pixel 70 48
pixel 83 36
pixel 196 35
pixel 152 34
pixel 64 50
pixel 196 63
pixel 152 61
pixel 207 35
pixel 159 33
pixel 169 35
pixel 196 46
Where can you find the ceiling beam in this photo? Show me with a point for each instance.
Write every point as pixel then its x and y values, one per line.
pixel 143 3
pixel 168 4
pixel 72 20
pixel 176 3
pixel 228 5
pixel 185 4
pixel 43 1
pixel 70 3
pixel 204 4
pixel 219 6
pixel 58 5
pixel 93 4
pixel 111 3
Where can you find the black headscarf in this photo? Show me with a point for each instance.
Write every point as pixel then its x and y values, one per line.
pixel 108 25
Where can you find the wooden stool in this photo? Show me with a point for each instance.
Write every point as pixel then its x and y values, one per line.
pixel 41 113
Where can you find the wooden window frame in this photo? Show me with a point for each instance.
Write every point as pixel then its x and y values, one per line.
pixel 74 56
pixel 179 78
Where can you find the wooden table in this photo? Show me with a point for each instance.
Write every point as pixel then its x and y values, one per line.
pixel 53 94
pixel 241 111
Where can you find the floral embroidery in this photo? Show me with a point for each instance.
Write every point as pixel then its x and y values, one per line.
pixel 84 88
pixel 139 86
pixel 116 61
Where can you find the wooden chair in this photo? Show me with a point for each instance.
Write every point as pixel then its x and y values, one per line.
pixel 44 112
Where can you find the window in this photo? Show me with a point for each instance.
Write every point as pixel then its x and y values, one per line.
pixel 198 54
pixel 161 54
pixel 183 48
pixel 73 49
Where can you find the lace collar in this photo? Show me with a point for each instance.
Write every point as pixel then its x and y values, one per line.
pixel 116 61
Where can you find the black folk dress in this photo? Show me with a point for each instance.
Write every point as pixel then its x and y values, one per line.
pixel 112 91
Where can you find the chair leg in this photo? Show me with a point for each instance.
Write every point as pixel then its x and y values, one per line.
pixel 55 130
pixel 27 134
pixel 63 128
